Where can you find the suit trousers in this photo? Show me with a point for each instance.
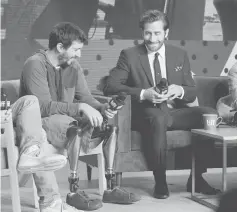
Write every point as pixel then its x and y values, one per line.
pixel 153 127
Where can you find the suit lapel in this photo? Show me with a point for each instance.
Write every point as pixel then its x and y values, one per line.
pixel 145 63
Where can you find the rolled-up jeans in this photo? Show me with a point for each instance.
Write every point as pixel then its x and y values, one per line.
pixel 27 122
pixel 28 127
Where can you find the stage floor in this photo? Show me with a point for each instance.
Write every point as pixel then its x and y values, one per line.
pixel 141 183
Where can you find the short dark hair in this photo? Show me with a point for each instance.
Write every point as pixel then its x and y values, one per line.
pixel 151 16
pixel 65 33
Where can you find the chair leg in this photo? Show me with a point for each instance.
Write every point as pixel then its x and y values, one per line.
pixel 15 193
pixel 16 204
pixel 35 194
pixel 89 172
pixel 23 179
pixel 118 178
pixel 101 167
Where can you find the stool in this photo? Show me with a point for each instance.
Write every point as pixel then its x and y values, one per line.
pixel 7 141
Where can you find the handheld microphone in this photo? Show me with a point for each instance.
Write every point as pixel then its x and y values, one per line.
pixel 116 103
pixel 162 86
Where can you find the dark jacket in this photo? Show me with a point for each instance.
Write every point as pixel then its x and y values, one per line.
pixel 58 91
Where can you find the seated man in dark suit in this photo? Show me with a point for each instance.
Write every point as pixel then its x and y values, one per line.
pixel 139 69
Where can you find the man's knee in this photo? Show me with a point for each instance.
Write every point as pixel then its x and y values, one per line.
pixel 56 127
pixel 27 101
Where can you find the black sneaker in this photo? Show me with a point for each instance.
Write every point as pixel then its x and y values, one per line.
pixel 120 196
pixel 81 201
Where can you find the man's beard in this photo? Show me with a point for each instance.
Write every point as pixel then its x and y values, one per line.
pixel 63 60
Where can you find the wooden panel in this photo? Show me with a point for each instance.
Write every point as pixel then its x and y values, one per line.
pixel 100 56
pixel 124 124
pixel 207 58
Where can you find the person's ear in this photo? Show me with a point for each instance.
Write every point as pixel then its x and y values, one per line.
pixel 60 47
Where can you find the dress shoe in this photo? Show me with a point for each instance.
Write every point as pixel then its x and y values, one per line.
pixel 201 186
pixel 81 201
pixel 31 161
pixel 120 196
pixel 161 191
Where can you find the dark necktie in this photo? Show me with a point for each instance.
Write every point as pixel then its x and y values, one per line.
pixel 157 71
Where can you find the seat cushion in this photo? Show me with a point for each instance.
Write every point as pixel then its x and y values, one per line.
pixel 175 139
pixel 12 88
pixel 211 89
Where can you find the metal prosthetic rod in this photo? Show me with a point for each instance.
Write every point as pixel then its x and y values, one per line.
pixel 109 148
pixel 74 135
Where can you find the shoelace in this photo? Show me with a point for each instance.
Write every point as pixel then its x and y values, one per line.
pixel 122 189
pixel 83 194
pixel 125 191
pixel 33 151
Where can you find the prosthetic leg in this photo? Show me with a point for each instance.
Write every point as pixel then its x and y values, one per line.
pixel 108 134
pixel 74 134
pixel 114 194
pixel 109 148
pixel 77 198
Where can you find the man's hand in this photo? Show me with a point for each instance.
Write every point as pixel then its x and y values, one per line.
pixel 92 114
pixel 108 112
pixel 151 95
pixel 174 91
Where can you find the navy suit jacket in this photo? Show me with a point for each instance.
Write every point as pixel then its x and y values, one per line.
pixel 132 73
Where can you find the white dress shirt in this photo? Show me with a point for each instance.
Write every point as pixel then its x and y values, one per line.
pixel 162 61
